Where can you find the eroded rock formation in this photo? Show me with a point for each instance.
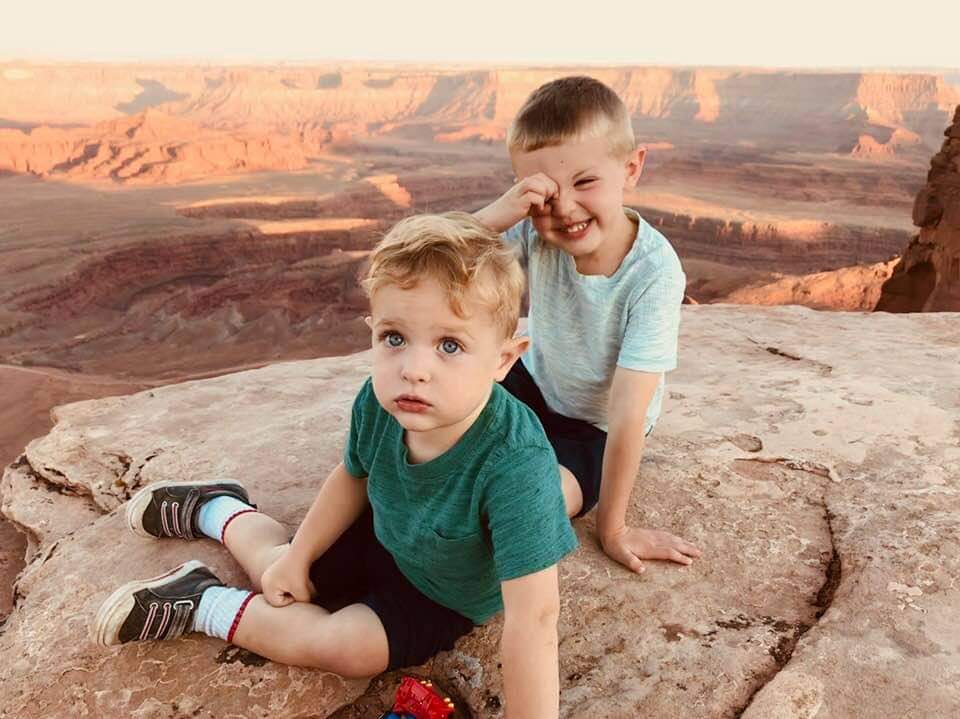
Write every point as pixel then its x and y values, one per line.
pixel 820 112
pixel 828 587
pixel 148 148
pixel 851 289
pixel 927 279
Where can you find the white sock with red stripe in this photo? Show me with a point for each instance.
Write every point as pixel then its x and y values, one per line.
pixel 220 610
pixel 217 513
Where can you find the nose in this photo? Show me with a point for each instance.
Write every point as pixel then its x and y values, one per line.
pixel 562 204
pixel 415 368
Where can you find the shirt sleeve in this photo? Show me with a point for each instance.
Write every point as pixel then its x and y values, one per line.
pixel 519 238
pixel 653 320
pixel 525 512
pixel 352 459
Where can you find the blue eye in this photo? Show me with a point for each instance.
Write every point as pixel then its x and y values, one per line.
pixel 392 339
pixel 449 347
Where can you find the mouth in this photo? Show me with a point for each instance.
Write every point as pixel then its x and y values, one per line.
pixel 576 230
pixel 411 403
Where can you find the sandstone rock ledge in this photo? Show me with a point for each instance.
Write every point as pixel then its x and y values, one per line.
pixel 813 456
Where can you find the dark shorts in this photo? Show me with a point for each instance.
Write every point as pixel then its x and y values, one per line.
pixel 358 570
pixel 579 445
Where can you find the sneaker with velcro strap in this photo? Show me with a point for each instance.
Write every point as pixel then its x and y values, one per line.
pixel 170 509
pixel 158 608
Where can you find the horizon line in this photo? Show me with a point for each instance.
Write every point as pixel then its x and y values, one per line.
pixel 305 62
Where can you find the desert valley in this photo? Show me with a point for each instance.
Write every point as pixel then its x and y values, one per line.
pixel 167 223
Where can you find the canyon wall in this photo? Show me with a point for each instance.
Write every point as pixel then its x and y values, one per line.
pixel 819 111
pixel 802 246
pixel 927 279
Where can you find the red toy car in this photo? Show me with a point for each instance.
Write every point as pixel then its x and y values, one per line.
pixel 417 699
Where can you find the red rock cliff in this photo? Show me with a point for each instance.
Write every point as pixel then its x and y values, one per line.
pixel 928 277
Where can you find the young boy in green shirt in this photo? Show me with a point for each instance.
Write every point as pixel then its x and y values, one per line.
pixel 447 506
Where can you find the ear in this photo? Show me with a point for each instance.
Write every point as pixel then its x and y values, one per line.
pixel 509 353
pixel 634 166
pixel 369 321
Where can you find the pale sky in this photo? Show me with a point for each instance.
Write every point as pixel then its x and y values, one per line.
pixel 769 33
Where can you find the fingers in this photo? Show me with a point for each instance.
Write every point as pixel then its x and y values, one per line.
pixel 283 597
pixel 634 564
pixel 655 544
pixel 627 558
pixel 301 595
pixel 278 598
pixel 552 187
pixel 537 191
pixel 535 200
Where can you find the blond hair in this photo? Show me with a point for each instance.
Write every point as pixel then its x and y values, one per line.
pixel 570 108
pixel 457 251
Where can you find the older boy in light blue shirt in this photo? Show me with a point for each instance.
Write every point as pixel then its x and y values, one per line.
pixel 605 296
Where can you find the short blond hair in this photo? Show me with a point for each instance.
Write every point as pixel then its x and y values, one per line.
pixel 571 108
pixel 457 251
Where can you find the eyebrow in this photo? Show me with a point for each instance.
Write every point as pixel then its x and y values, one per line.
pixel 455 331
pixel 447 329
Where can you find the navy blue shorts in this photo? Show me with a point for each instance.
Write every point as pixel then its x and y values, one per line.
pixel 579 445
pixel 358 570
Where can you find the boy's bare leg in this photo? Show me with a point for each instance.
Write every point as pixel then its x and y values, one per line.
pixel 350 642
pixel 572 494
pixel 255 541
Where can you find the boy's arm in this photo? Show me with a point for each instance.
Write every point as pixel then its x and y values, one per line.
pixel 339 502
pixel 528 645
pixel 630 395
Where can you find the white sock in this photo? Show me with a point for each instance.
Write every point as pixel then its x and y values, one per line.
pixel 214 515
pixel 219 611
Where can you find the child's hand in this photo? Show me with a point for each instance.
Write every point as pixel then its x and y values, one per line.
pixel 530 196
pixel 629 545
pixel 286 581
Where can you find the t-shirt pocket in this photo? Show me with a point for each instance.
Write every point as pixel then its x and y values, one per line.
pixel 456 558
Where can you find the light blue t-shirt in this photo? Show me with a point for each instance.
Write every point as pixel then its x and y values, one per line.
pixel 583 326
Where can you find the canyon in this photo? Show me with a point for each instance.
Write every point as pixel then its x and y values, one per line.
pixel 164 223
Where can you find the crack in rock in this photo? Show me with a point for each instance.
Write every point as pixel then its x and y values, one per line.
pixel 44 476
pixel 66 488
pixel 801 465
pixel 129 479
pixel 822 368
pixel 783 651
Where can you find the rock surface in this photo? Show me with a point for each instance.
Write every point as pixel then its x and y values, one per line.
pixel 819 477
pixel 927 279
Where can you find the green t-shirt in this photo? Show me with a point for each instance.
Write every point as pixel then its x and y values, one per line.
pixel 487 510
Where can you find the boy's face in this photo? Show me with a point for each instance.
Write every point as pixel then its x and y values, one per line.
pixel 588 209
pixel 432 370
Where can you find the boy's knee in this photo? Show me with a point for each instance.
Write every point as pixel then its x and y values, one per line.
pixel 572 494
